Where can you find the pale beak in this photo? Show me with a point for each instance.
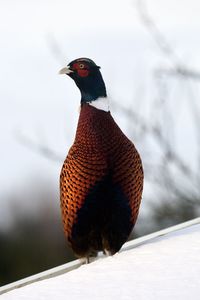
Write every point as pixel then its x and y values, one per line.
pixel 65 70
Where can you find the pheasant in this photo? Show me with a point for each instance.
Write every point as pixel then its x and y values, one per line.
pixel 101 180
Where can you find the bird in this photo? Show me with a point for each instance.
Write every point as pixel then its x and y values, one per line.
pixel 101 180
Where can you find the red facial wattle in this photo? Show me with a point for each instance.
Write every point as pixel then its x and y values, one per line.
pixel 82 72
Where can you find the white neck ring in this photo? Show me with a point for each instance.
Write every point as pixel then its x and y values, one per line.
pixel 101 103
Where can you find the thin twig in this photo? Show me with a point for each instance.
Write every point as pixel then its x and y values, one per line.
pixel 38 148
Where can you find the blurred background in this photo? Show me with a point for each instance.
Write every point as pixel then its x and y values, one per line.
pixel 149 57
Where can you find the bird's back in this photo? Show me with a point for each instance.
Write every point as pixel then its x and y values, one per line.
pixel 101 185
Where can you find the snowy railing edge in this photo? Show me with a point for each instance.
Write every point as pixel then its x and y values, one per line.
pixel 41 276
pixel 142 240
pixel 77 263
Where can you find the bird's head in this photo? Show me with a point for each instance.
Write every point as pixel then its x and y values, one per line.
pixel 87 77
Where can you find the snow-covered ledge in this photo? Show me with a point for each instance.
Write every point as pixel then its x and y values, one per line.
pixel 148 239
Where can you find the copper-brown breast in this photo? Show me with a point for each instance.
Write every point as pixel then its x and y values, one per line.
pixel 100 147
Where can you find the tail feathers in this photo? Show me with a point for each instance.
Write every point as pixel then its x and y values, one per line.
pixel 87 245
pixel 103 221
pixel 116 235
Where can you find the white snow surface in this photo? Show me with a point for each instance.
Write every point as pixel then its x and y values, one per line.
pixel 167 267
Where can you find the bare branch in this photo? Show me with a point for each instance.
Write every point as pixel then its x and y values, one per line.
pixel 42 149
pixel 178 67
pixel 55 48
pixel 157 35
pixel 178 72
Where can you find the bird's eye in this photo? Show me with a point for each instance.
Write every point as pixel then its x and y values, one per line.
pixel 81 66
